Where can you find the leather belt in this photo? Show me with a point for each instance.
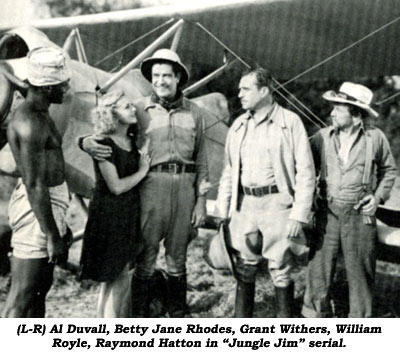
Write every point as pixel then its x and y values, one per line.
pixel 261 191
pixel 174 168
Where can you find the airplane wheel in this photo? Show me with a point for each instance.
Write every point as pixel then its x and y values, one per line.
pixel 5 249
pixel 6 96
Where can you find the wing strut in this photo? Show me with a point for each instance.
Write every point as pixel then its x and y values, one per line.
pixel 79 47
pixel 75 38
pixel 177 38
pixel 209 77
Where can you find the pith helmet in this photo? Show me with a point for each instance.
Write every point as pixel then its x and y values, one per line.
pixel 216 252
pixel 164 55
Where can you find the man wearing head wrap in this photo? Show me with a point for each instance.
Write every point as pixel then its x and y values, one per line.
pixel 40 200
pixel 356 172
pixel 172 201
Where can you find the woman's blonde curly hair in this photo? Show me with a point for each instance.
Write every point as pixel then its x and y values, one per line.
pixel 103 118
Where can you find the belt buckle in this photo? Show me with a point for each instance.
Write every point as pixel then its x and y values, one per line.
pixel 257 192
pixel 173 168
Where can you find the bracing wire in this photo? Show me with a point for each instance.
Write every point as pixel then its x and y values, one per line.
pixel 343 50
pixel 248 66
pixel 134 41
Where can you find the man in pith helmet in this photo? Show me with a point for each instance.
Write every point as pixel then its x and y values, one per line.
pixel 170 128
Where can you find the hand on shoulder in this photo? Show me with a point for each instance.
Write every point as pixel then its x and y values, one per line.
pixel 97 150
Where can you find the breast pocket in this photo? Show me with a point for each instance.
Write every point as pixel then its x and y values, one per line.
pixel 355 173
pixel 185 136
pixel 359 167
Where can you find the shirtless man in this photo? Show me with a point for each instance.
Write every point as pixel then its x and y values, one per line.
pixel 40 200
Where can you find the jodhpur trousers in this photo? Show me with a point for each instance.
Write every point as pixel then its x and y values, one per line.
pixel 258 232
pixel 167 202
pixel 346 231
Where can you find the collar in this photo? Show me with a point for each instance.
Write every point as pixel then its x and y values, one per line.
pixel 359 127
pixel 154 100
pixel 272 117
pixel 267 117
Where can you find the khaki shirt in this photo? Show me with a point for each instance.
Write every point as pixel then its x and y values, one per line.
pixel 292 163
pixel 173 136
pixel 345 181
pixel 256 164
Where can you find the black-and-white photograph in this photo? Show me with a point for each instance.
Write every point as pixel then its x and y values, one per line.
pixel 199 159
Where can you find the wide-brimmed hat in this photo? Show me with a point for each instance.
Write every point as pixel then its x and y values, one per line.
pixel 164 55
pixel 353 94
pixel 47 66
pixel 216 252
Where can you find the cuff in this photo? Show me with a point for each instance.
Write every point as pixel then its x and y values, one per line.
pixel 379 199
pixel 299 216
pixel 79 142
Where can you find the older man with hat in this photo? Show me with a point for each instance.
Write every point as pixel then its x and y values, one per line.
pixel 40 199
pixel 356 173
pixel 170 128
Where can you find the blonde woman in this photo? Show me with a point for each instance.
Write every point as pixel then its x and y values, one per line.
pixel 113 223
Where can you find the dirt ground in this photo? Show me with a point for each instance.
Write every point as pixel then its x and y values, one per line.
pixel 210 293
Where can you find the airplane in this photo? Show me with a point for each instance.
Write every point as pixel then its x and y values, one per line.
pixel 295 39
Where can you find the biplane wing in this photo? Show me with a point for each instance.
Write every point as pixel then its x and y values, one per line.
pixel 287 36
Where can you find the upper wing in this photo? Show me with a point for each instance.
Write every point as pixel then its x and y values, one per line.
pixel 287 36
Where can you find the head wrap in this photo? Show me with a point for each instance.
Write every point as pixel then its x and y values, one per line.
pixel 47 66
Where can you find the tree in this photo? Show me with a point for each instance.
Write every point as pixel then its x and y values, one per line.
pixel 65 8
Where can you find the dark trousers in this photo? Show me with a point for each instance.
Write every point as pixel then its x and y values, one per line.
pixel 341 228
pixel 167 202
